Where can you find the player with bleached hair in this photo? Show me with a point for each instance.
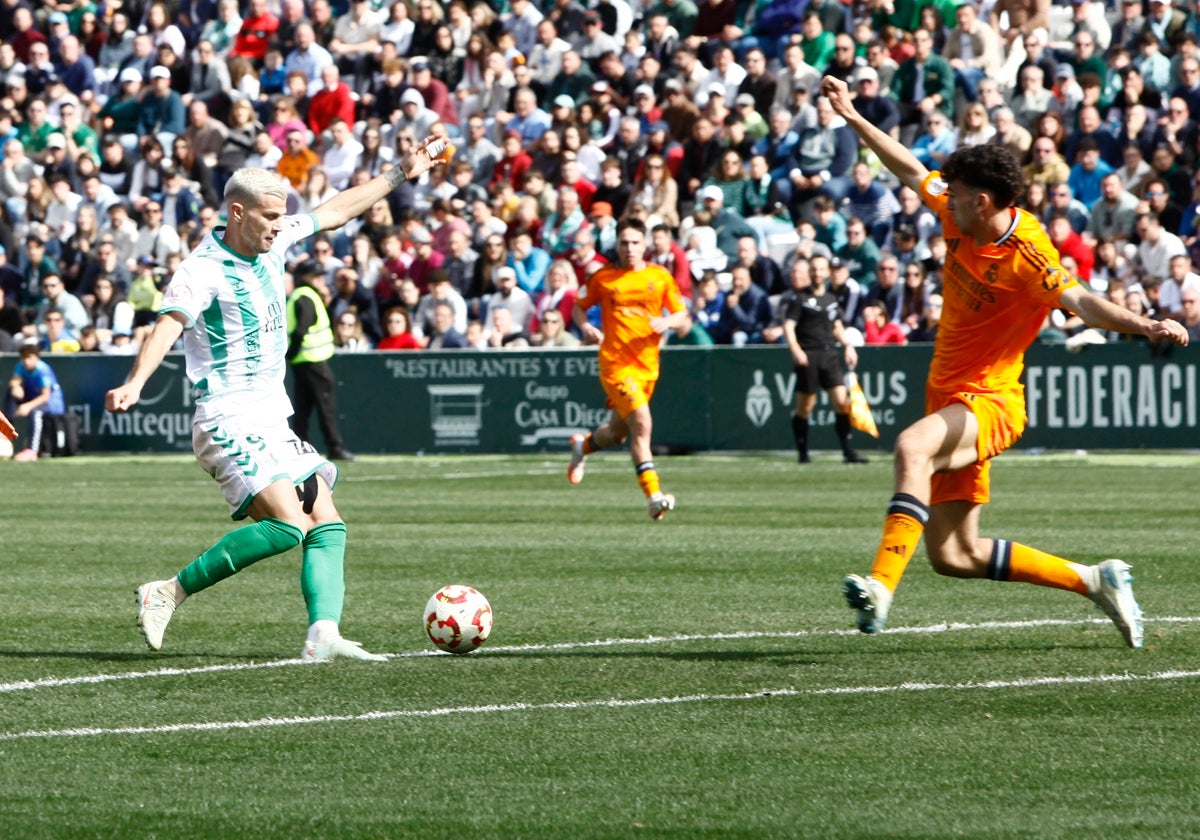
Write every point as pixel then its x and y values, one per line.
pixel 228 301
pixel 1002 278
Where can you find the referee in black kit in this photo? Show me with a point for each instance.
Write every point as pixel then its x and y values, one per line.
pixel 310 346
pixel 813 328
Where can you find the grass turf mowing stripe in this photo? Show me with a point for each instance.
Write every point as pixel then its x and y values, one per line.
pixel 91 679
pixel 612 703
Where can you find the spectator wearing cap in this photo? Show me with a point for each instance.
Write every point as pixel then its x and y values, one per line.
pixel 162 111
pixel 923 84
pixel 434 92
pixel 728 226
pixel 678 111
pixel 425 258
pixel 880 110
pixel 592 42
pixel 526 119
pixel 746 108
pixel 258 29
pixel 1167 24
pixel 509 295
pixel 122 110
pixel 333 101
pixel 1067 93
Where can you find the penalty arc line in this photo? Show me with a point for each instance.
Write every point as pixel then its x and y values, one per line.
pixel 612 703
pixel 94 679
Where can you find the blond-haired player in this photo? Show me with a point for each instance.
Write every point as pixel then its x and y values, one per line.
pixel 1002 278
pixel 228 301
pixel 633 297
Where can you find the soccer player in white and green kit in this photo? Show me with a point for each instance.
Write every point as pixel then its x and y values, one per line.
pixel 227 299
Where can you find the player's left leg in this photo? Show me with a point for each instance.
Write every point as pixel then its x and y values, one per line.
pixel 611 433
pixel 956 549
pixel 641 426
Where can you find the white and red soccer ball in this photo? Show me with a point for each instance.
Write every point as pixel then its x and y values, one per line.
pixel 458 619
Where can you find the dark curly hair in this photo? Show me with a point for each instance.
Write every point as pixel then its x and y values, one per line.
pixel 987 168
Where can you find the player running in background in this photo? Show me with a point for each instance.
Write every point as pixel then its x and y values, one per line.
pixel 228 301
pixel 1002 278
pixel 632 297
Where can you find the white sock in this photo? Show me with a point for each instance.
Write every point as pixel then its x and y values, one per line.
pixel 323 631
pixel 175 589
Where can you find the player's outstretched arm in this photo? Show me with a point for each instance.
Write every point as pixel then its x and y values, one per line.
pixel 1102 314
pixel 892 153
pixel 353 202
pixel 166 332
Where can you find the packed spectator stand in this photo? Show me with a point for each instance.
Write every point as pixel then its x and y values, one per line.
pixel 120 123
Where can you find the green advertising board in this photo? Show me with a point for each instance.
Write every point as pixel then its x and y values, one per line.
pixel 1114 396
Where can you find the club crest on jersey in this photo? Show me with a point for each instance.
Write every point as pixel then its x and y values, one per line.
pixel 180 294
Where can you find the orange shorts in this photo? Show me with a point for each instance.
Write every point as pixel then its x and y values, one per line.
pixel 628 389
pixel 1001 417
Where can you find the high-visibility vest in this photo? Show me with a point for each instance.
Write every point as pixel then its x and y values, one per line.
pixel 317 345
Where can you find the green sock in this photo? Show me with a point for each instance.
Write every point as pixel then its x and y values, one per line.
pixel 237 550
pixel 322 578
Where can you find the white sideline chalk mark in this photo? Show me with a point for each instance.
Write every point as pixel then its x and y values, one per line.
pixel 612 703
pixel 93 679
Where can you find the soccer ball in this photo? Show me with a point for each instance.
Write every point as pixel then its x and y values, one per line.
pixel 458 619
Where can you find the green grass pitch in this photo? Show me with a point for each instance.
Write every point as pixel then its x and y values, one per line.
pixel 695 677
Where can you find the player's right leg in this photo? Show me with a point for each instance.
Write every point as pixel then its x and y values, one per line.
pixel 944 440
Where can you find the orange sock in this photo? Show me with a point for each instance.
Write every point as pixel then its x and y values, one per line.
pixel 589 445
pixel 648 478
pixel 902 530
pixel 1021 564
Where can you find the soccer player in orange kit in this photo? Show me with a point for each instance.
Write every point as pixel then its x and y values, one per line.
pixel 633 297
pixel 1002 277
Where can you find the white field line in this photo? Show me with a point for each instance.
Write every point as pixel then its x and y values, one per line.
pixel 93 679
pixel 612 703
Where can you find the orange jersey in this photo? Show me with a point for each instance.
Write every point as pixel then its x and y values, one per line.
pixel 995 299
pixel 628 300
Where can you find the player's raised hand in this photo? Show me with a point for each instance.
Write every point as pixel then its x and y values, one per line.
pixel 430 152
pixel 838 93
pixel 1170 330
pixel 122 398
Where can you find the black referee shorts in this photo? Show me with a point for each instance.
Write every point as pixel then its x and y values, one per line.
pixel 823 371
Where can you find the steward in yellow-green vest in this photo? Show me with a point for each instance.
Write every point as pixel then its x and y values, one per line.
pixel 316 341
pixel 310 346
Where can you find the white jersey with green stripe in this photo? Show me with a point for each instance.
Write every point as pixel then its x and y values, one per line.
pixel 236 337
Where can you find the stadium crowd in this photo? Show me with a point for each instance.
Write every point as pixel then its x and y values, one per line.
pixel 121 121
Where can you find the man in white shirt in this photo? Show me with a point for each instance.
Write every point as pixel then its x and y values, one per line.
pixel 341 157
